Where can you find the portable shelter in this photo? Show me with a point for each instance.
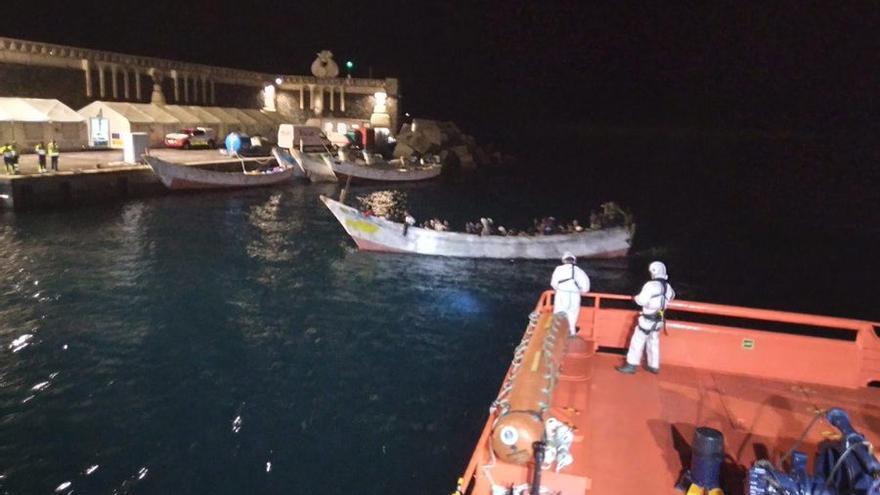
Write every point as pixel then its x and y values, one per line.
pixel 248 124
pixel 184 117
pixel 109 120
pixel 208 119
pixel 229 122
pixel 28 121
pixel 265 125
pixel 163 121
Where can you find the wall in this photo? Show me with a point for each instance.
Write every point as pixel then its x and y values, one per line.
pixel 29 81
pixel 44 70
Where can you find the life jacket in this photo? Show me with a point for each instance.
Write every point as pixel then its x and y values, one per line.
pixel 658 319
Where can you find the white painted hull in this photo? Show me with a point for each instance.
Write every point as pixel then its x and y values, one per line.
pixel 176 176
pixel 315 167
pixel 284 159
pixel 377 234
pixel 384 172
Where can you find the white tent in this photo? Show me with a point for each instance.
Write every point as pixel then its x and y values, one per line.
pixel 28 121
pixel 248 124
pixel 265 125
pixel 207 119
pixel 184 116
pixel 109 120
pixel 230 122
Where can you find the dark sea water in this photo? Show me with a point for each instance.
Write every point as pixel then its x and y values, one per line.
pixel 236 342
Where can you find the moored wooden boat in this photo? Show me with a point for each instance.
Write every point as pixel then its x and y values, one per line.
pixel 283 157
pixel 765 382
pixel 176 176
pixel 378 234
pixel 384 171
pixel 315 167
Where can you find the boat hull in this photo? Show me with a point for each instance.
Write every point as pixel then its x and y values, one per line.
pixel 286 160
pixel 316 169
pixel 742 371
pixel 183 177
pixel 378 234
pixel 385 172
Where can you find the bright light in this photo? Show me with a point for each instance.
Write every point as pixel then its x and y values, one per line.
pixel 349 64
pixel 381 98
pixel 269 98
pixel 278 80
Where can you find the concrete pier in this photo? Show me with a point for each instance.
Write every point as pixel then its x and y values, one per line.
pixel 97 176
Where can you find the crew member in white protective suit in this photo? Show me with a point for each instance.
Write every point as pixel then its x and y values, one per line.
pixel 653 298
pixel 569 282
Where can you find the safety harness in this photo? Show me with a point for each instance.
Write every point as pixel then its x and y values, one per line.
pixel 576 284
pixel 658 319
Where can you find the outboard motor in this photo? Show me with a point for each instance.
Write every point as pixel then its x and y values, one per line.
pixel 704 476
pixel 843 467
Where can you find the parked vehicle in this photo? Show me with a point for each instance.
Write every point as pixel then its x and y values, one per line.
pixel 195 137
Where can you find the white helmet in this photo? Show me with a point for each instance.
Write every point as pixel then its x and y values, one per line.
pixel 657 269
pixel 568 256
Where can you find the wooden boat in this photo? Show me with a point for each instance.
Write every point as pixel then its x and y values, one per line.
pixel 376 168
pixel 383 171
pixel 315 167
pixel 738 387
pixel 176 176
pixel 378 234
pixel 283 158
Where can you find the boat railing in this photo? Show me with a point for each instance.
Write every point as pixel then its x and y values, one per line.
pixel 760 342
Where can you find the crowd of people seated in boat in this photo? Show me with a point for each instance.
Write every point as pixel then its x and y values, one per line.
pixel 610 214
pixel 436 224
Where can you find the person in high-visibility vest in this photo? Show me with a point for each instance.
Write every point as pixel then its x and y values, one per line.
pixel 13 149
pixel 7 158
pixel 40 148
pixel 54 153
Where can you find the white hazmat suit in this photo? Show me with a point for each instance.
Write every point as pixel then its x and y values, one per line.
pixel 655 295
pixel 569 281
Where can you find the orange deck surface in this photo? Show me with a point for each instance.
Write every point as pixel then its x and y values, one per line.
pixel 633 432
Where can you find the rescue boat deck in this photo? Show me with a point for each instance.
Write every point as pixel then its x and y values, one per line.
pixel 633 432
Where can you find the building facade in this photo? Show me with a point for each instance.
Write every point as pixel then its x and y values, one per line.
pixel 78 77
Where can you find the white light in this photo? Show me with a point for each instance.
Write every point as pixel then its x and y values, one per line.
pixel 278 80
pixel 381 97
pixel 269 98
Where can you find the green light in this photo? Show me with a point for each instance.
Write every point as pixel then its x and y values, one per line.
pixel 349 64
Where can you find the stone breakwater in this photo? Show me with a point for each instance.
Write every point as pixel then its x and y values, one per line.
pixel 445 139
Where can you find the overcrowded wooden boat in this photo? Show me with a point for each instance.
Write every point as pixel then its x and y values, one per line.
pixel 177 176
pixel 372 233
pixel 745 398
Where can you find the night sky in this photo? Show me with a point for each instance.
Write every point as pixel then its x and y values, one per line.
pixel 783 66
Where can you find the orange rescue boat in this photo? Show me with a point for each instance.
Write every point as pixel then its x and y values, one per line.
pixel 768 382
